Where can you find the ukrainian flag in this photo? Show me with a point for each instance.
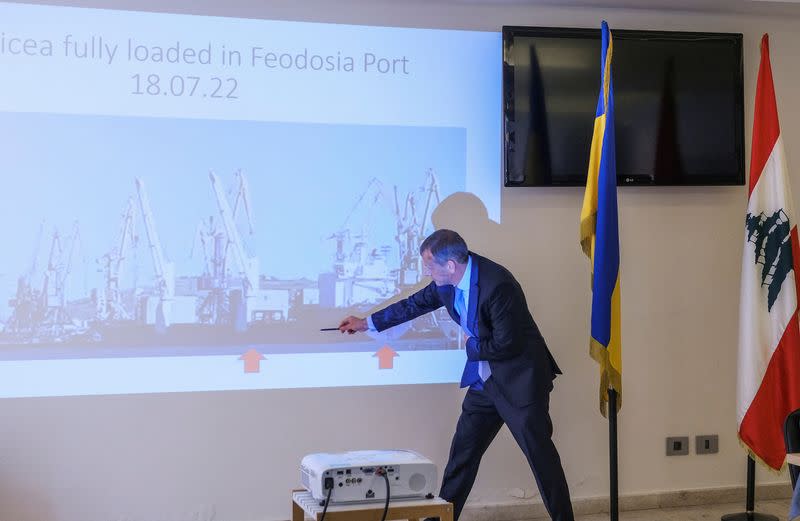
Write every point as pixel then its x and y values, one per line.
pixel 600 236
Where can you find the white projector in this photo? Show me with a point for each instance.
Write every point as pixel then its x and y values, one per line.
pixel 357 476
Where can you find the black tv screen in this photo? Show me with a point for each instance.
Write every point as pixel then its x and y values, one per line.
pixel 678 97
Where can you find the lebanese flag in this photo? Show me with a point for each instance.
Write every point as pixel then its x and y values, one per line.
pixel 769 338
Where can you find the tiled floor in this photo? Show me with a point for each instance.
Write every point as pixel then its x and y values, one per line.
pixel 779 508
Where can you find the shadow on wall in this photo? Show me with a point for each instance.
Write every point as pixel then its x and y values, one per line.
pixel 466 214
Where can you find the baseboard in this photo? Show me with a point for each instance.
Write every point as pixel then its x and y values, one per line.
pixel 526 510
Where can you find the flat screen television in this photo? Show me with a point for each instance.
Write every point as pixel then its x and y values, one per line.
pixel 679 109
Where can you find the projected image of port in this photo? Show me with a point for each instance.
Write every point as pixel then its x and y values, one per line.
pixel 154 237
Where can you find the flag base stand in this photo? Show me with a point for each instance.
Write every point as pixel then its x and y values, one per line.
pixel 749 515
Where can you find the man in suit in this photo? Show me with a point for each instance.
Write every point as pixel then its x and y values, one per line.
pixel 509 370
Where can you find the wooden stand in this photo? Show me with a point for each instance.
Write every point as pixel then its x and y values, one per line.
pixel 413 510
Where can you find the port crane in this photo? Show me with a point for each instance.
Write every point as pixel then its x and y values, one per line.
pixel 111 306
pixel 164 270
pixel 42 311
pixel 350 260
pixel 411 231
pixel 256 304
pixel 27 302
pixel 248 266
pixel 54 286
pixel 358 265
pixel 216 244
pixel 212 238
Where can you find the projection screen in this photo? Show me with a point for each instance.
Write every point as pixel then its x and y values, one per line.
pixel 188 200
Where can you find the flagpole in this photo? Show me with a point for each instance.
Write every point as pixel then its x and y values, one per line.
pixel 612 453
pixel 749 514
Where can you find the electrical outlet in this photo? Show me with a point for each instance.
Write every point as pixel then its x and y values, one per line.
pixel 706 444
pixel 678 446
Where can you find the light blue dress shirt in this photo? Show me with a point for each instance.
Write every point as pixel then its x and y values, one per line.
pixel 462 307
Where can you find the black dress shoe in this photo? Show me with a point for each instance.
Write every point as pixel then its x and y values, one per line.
pixel 431 519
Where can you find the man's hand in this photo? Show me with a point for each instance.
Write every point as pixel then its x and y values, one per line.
pixel 353 325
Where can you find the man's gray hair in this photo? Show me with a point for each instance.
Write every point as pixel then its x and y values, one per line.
pixel 445 245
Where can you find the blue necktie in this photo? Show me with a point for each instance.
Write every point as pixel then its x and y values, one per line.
pixel 460 305
pixel 471 376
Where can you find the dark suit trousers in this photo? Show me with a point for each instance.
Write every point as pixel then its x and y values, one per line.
pixel 482 415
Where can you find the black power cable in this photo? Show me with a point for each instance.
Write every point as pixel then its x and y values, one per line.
pixel 382 472
pixel 327 502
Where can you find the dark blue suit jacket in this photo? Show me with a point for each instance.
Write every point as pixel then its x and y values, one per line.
pixel 507 336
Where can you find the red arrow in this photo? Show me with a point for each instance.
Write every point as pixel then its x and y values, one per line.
pixel 385 357
pixel 252 361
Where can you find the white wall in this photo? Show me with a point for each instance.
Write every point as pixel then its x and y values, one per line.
pixel 234 456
